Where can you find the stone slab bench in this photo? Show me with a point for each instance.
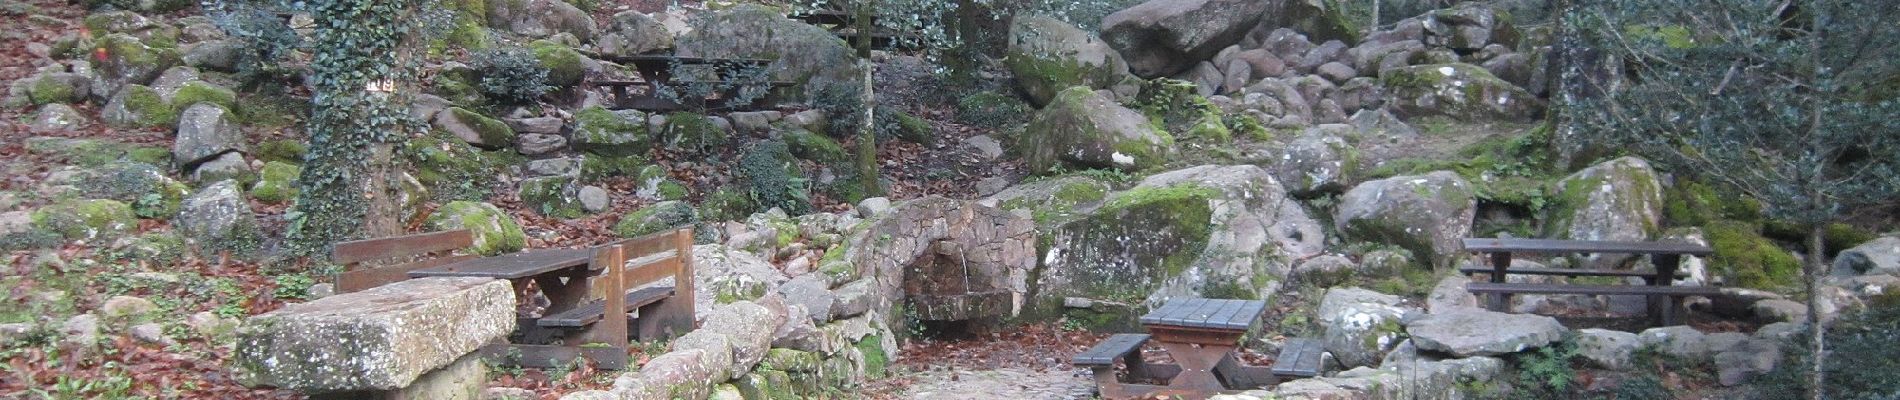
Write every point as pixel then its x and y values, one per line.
pixel 369 343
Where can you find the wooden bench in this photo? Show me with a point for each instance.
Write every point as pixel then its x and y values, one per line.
pixel 360 258
pixel 1664 300
pixel 1299 358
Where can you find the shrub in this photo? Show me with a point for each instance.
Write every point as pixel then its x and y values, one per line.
pixel 1866 365
pixel 1547 370
pixel 992 110
pixel 773 174
pixel 512 75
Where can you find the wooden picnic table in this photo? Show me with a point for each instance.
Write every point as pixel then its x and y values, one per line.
pixel 1202 336
pixel 1664 300
pixel 562 275
pixel 657 73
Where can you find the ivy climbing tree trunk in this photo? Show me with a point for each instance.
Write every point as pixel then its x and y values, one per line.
pixel 350 181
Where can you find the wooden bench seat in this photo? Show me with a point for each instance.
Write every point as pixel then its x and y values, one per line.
pixel 375 262
pixel 595 310
pixel 1115 347
pixel 1299 358
pixel 1540 288
pixel 1565 272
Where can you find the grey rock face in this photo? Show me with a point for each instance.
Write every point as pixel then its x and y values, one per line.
pixel 1747 360
pixel 812 293
pixel 1311 163
pixel 1336 72
pixel 541 18
pixel 1476 332
pixel 216 55
pixel 378 339
pixel 1607 348
pixel 55 118
pixel 1450 294
pixel 1460 91
pixel 540 125
pixel 1359 325
pixel 219 217
pixel 1047 55
pixel 801 52
pixel 1162 37
pixel 537 144
pixel 1680 341
pixel 631 33
pixel 1878 256
pixel 1622 201
pixel 1428 214
pixel 204 131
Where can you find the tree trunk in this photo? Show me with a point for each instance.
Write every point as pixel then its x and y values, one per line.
pixel 867 127
pixel 1814 267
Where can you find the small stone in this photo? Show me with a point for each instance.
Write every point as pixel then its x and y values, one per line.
pixel 873 207
pixel 1450 294
pixel 1746 360
pixel 1780 310
pixel 13 332
pixel 1607 348
pixel 82 329
pixel 985 147
pixel 127 308
pixel 1336 72
pixel 537 125
pixel 594 199
pixel 321 290
pixel 565 166
pixel 1680 341
pixel 1477 332
pixel 56 117
pixel 152 333
pixel 508 393
pixel 753 121
pixel 535 144
pixel 207 324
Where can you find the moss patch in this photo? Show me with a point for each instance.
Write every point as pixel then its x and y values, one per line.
pixel 277 184
pixel 493 230
pixel 812 146
pixel 450 169
pixel 196 92
pixel 86 219
pixel 285 151
pixel 150 108
pixel 1749 260
pixel 654 218
pixel 563 63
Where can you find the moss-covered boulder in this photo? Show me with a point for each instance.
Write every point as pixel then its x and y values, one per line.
pixel 1083 128
pixel 94 152
pixel 694 132
pixel 205 131
pixel 537 18
pixel 611 133
pixel 656 217
pixel 554 196
pixel 1746 259
pixel 122 59
pixel 138 106
pixel 450 169
pixel 1162 37
pixel 807 145
pixel 195 92
pixel 277 182
pixel 1052 202
pixel 55 87
pixel 1617 200
pixel 802 53
pixel 632 32
pixel 1359 326
pixel 1428 214
pixel 656 183
pixel 145 187
pixel 1461 91
pixel 475 129
pixel 93 219
pixel 218 218
pixel 495 232
pixel 1207 231
pixel 1047 55
pixel 565 66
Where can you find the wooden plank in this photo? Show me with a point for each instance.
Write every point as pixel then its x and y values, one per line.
pixel 1108 350
pixel 595 311
pixel 654 243
pixel 1493 245
pixel 352 252
pixel 653 270
pixel 1299 358
pixel 1534 288
pixel 1562 272
pixel 358 280
pixel 1245 317
pixel 1157 315
pixel 1221 311
pixel 512 266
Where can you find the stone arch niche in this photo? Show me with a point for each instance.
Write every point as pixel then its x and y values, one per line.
pixel 945 260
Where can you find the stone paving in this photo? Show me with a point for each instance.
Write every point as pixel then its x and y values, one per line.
pixel 1002 383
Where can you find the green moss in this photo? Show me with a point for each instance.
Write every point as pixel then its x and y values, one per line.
pixel 456 90
pixel 912 129
pixel 563 63
pixel 595 168
pixel 86 219
pixel 1166 227
pixel 450 169
pixel 278 183
pixel 876 361
pixel 812 146
pixel 149 155
pixel 492 131
pixel 493 230
pixel 151 194
pixel 601 132
pixel 1840 236
pixel 550 196
pixel 655 218
pixel 788 360
pixel 195 92
pixel 1229 289
pixel 151 108
pixel 1747 259
pixel 285 151
pixel 727 204
pixel 694 132
pixel 1671 36
pixel 47 90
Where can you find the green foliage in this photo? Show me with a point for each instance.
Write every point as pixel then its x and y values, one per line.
pixel 1692 203
pixel 1547 370
pixel 811 146
pixel 992 110
pixel 774 177
pixel 287 151
pixel 273 187
pixel 293 286
pixel 694 132
pixel 1748 259
pixel 1869 365
pixel 727 204
pixel 511 75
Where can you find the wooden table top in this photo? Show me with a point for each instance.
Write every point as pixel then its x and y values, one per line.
pixel 1495 245
pixel 513 265
pixel 1217 314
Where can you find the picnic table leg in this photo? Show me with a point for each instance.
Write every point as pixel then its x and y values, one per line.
pixel 1197 364
pixel 1665 307
pixel 1499 262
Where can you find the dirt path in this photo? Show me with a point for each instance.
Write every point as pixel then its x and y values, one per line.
pixel 1024 383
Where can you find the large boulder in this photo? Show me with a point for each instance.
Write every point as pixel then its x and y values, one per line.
pixel 205 131
pixel 1086 129
pixel 124 60
pixel 1616 200
pixel 801 52
pixel 726 275
pixel 378 339
pixel 494 231
pixel 1360 325
pixel 150 192
pixel 540 18
pixel 1047 55
pixel 611 133
pixel 631 33
pixel 1466 332
pixel 55 118
pixel 1207 231
pixel 1878 256
pixel 56 88
pixel 86 219
pixel 1428 214
pixel 1163 37
pixel 1460 91
pixel 1607 348
pixel 219 218
pixel 474 128
pixel 1314 162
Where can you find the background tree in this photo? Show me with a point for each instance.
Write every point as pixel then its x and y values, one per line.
pixel 1789 102
pixel 362 63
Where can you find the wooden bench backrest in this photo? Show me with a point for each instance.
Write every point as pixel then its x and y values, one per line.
pixel 432 248
pixel 662 254
pixel 1495 245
